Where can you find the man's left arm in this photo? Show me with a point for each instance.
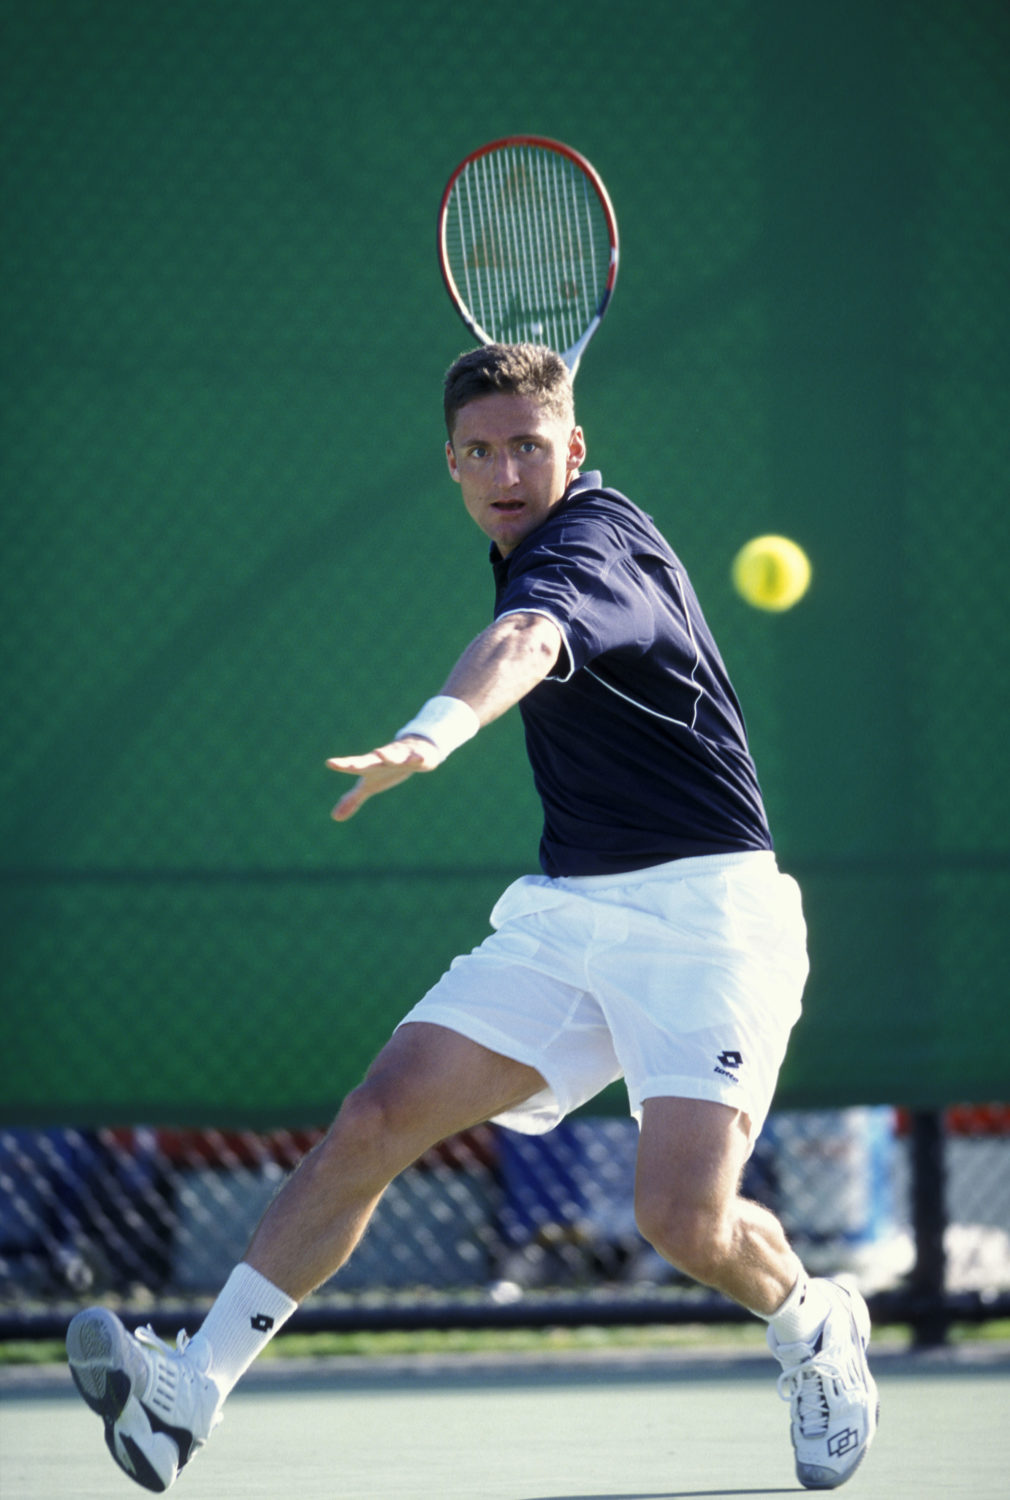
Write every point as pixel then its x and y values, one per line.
pixel 497 669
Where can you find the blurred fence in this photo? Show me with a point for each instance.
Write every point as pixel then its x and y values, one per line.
pixel 494 1226
pixel 230 547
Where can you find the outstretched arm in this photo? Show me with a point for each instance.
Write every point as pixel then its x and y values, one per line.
pixel 498 668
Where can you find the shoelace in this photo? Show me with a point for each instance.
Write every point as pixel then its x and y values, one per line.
pixel 147 1335
pixel 183 1367
pixel 806 1382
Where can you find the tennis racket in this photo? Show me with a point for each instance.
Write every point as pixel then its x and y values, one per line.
pixel 527 243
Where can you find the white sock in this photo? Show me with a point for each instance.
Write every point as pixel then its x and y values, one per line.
pixel 802 1315
pixel 248 1311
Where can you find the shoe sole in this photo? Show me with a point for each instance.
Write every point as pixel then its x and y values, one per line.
pixel 137 1464
pixel 95 1349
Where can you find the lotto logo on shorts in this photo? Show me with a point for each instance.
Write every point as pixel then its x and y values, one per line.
pixel 727 1064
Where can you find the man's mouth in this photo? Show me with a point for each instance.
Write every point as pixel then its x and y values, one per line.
pixel 508 507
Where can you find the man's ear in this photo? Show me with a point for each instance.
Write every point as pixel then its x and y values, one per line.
pixel 576 450
pixel 450 458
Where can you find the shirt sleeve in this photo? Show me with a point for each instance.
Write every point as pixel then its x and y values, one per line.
pixel 581 573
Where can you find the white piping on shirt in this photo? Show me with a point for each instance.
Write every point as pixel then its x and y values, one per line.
pixel 666 718
pixel 532 610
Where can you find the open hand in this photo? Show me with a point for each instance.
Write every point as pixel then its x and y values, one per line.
pixel 381 769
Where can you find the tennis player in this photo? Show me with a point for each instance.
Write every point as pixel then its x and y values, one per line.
pixel 660 944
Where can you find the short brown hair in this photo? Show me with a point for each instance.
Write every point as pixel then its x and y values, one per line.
pixel 510 369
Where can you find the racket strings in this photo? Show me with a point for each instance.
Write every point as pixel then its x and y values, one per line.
pixel 528 244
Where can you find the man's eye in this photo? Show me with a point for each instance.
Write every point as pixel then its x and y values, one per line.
pixel 528 447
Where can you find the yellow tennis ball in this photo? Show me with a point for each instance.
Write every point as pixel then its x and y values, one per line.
pixel 771 572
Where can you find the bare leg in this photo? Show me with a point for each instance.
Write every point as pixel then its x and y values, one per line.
pixel 426 1084
pixel 690 1161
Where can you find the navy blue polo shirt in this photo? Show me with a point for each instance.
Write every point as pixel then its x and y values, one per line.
pixel 636 738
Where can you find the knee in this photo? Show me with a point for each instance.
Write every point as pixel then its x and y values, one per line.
pixel 372 1117
pixel 361 1119
pixel 697 1238
pixel 361 1139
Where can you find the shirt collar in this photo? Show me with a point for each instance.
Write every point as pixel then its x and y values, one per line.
pixel 591 479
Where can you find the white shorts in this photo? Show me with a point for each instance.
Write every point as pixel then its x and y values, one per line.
pixel 684 978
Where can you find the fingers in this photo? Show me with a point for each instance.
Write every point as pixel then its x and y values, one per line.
pixel 359 794
pixel 355 765
pixel 396 754
pixel 377 771
pixel 349 804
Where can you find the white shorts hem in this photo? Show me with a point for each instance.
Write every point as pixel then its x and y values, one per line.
pixel 537 1114
pixel 710 1093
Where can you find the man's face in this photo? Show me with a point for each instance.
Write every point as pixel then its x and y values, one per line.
pixel 513 461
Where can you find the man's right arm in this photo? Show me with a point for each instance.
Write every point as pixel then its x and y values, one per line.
pixel 504 663
pixel 497 669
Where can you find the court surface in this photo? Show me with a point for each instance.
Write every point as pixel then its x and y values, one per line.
pixel 632 1426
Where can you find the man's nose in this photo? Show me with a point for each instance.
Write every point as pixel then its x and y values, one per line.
pixel 506 470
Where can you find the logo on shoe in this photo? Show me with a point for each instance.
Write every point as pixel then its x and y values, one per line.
pixel 261 1322
pixel 727 1063
pixel 843 1442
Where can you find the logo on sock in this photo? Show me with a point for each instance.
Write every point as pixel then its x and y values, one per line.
pixel 261 1323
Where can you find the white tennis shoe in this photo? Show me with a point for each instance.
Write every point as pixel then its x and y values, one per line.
pixel 832 1394
pixel 158 1405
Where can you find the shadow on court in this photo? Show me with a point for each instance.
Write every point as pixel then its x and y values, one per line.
pixel 670 1494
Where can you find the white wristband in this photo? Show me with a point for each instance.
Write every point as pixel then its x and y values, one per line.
pixel 446 722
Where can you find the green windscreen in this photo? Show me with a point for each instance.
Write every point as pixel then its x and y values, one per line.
pixel 231 548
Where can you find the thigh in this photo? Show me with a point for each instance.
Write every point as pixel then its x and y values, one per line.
pixel 522 994
pixel 432 1082
pixel 691 1151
